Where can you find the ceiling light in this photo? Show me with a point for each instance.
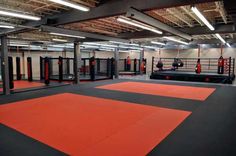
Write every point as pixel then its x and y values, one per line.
pixel 175 40
pixel 135 48
pixel 220 38
pixel 61 46
pixel 59 40
pixel 202 18
pixel 7 26
pixel 228 44
pixel 67 35
pixel 71 5
pixel 19 45
pixel 18 15
pixel 150 47
pixel 106 49
pixel 99 44
pixel 138 24
pixel 89 46
pixel 159 43
pixel 123 43
pixel 128 51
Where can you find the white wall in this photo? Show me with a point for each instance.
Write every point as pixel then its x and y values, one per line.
pixel 205 53
pixel 190 53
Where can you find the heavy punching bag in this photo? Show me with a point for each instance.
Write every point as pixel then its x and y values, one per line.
pixel 220 65
pixel 46 71
pixel 159 65
pixel 198 68
pixel 29 69
pixel 11 77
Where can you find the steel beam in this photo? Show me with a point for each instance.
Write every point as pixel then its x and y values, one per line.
pixel 140 16
pixel 108 9
pixel 80 33
pixel 212 41
pixel 226 28
pixel 4 65
pixel 113 8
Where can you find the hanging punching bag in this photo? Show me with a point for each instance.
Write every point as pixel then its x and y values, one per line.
pixel 198 68
pixel 220 65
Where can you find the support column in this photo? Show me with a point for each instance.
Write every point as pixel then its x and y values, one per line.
pixel 77 62
pixel 199 51
pixel 141 61
pixel 4 65
pixel 117 57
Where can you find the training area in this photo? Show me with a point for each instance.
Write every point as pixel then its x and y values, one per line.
pixel 117 78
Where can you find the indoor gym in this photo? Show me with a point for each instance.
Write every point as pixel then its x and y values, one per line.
pixel 117 78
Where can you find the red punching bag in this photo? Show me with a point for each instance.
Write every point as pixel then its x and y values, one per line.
pixel 220 65
pixel 198 68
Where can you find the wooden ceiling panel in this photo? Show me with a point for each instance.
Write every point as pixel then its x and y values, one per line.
pixel 178 17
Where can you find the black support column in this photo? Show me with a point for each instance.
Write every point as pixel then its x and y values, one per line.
pixel 77 62
pixel 4 65
pixel 117 57
pixel 141 61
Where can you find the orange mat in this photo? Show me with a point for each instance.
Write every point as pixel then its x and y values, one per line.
pixel 25 84
pixel 81 125
pixel 184 92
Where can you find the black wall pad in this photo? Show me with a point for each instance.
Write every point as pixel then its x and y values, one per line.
pixel 60 67
pixel 46 71
pixel 29 69
pixel 92 63
pixel 11 77
pixel 18 68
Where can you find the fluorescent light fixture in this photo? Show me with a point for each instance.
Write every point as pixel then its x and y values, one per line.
pixel 228 45
pixel 202 18
pixel 7 26
pixel 19 45
pixel 100 44
pixel 131 44
pixel 61 46
pixel 128 51
pixel 138 24
pixel 19 15
pixel 71 5
pixel 175 40
pixel 158 43
pixel 135 48
pixel 106 49
pixel 220 38
pixel 89 46
pixel 150 47
pixel 59 40
pixel 66 35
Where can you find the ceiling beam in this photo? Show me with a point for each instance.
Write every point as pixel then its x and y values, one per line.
pixel 138 15
pixel 109 8
pixel 81 33
pixel 212 41
pixel 221 29
pixel 112 8
pixel 225 28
